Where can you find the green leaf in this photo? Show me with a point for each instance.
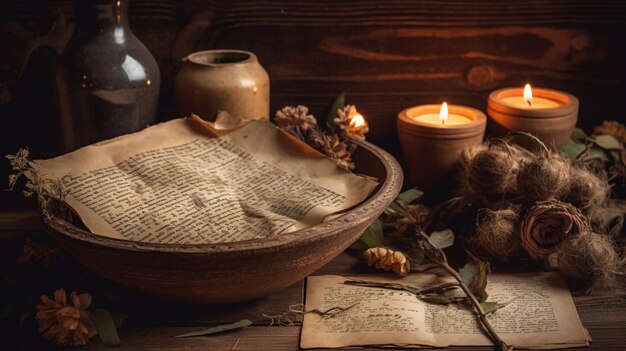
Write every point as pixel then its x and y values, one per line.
pixel 573 148
pixel 339 102
pixel 105 326
pixel 474 274
pixel 578 133
pixel 371 237
pixel 608 142
pixel 442 239
pixel 409 196
pixel 489 306
pixel 218 329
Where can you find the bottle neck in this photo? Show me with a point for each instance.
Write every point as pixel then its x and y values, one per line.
pixel 102 15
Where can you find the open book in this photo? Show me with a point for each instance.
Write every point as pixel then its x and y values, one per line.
pixel 184 182
pixel 540 313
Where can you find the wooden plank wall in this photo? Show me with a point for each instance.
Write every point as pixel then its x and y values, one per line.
pixel 389 54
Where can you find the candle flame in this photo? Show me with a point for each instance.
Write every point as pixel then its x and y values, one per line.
pixel 443 113
pixel 528 94
pixel 357 121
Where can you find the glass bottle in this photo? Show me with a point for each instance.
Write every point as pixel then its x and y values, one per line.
pixel 110 82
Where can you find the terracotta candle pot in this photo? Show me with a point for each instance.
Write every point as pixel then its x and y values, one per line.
pixel 548 114
pixel 432 147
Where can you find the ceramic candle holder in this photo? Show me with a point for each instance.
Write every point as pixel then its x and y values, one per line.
pixel 432 151
pixel 552 119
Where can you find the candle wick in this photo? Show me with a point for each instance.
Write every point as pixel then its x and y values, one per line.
pixel 530 103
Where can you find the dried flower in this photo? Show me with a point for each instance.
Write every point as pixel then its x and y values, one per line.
pixel 613 128
pixel 387 259
pixel 50 192
pixel 419 214
pixel 337 151
pixel 295 119
pixel 351 123
pixel 65 324
pixel 548 223
pixel 37 253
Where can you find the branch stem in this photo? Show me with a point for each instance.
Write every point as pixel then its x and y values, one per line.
pixel 481 313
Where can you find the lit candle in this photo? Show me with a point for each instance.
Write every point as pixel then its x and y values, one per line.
pixel 443 117
pixel 548 114
pixel 432 138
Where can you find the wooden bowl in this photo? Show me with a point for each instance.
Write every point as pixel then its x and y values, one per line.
pixel 232 272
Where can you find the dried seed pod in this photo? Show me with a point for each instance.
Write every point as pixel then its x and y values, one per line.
pixel 388 259
pixel 590 259
pixel 544 178
pixel 496 234
pixel 490 171
pixel 586 190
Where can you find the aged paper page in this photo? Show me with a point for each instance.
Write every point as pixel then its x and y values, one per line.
pixel 171 183
pixel 541 314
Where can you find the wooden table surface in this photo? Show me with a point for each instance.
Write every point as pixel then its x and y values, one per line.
pixel 153 323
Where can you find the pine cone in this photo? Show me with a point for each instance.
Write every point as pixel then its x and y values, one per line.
pixel 614 128
pixel 388 259
pixel 337 151
pixel 65 324
pixel 295 117
pixel 346 124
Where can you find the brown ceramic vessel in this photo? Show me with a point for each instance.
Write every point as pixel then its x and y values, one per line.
pixel 223 80
pixel 553 126
pixel 233 272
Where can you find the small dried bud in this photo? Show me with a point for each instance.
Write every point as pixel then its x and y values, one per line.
pixel 388 259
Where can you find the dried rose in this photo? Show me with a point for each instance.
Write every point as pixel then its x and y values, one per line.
pixel 65 324
pixel 548 223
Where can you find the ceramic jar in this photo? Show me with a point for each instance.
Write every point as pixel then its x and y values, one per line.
pixel 223 80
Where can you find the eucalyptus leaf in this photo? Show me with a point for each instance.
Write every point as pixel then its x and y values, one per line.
pixel 105 326
pixel 578 133
pixel 608 142
pixel 409 196
pixel 442 239
pixel 371 237
pixel 573 148
pixel 489 307
pixel 596 152
pixel 339 102
pixel 474 274
pixel 218 329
